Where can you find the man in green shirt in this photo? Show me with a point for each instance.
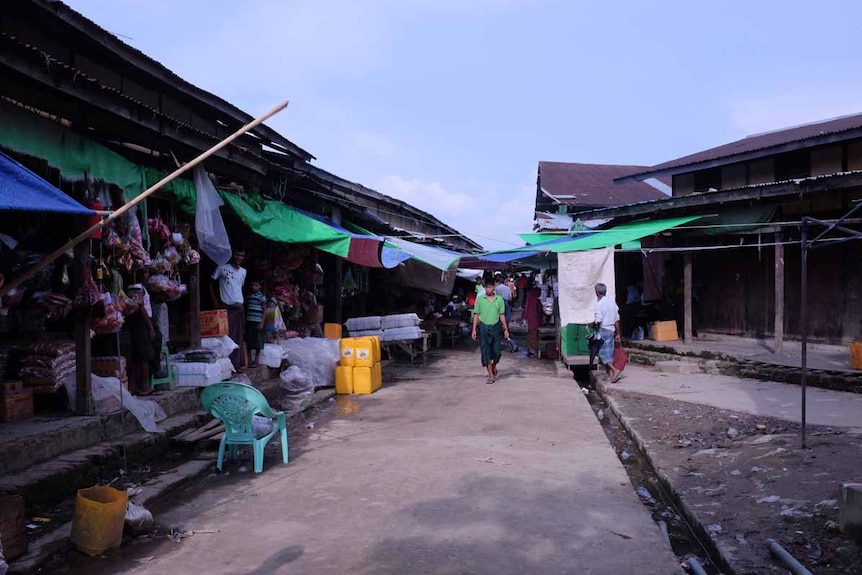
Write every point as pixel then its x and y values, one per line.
pixel 490 327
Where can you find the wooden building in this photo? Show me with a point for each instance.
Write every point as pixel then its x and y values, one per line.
pixel 738 265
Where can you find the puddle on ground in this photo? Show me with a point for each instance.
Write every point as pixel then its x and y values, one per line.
pixel 345 405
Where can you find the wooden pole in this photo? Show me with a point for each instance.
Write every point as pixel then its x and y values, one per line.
pixel 132 203
pixel 778 344
pixel 195 306
pixel 337 286
pixel 687 329
pixel 82 402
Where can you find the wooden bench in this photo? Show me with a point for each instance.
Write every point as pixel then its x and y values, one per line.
pixel 412 347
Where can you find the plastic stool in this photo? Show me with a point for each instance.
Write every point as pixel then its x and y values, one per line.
pixel 168 379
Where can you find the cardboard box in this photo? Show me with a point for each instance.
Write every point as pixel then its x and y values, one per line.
pixel 13 532
pixel 663 331
pixel 11 387
pixel 110 366
pixel 214 323
pixel 17 407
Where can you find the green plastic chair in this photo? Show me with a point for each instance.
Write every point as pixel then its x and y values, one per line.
pixel 168 379
pixel 236 404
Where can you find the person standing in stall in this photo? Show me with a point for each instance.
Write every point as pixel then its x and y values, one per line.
pixel 231 278
pixel 143 337
pixel 490 327
pixel 521 284
pixel 607 321
pixel 254 324
pixel 533 317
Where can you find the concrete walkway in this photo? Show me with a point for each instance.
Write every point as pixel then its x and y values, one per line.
pixel 820 356
pixel 436 473
pixel 767 398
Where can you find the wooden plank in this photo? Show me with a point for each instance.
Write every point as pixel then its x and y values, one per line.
pixel 687 329
pixel 778 343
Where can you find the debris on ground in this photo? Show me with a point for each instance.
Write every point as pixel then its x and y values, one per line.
pixel 757 483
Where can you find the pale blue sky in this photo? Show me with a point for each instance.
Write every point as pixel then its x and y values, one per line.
pixel 450 104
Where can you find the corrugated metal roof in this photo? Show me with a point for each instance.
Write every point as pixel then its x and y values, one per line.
pixel 813 134
pixel 592 185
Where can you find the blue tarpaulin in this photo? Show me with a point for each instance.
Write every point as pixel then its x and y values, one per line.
pixel 22 190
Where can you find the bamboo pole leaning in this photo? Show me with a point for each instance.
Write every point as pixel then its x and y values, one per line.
pixel 42 264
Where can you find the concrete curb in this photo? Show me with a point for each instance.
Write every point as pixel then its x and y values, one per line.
pixel 56 542
pixel 687 510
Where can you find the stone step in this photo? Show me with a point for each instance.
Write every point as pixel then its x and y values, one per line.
pixel 50 482
pixel 40 439
pixel 679 367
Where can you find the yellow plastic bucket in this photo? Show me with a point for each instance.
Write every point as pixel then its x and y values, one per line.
pixel 362 382
pixel 344 380
pixel 376 376
pixel 364 352
pixel 348 354
pixel 98 522
pixel 332 330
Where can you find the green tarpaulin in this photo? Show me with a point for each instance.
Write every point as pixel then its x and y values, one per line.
pixel 606 238
pixel 538 237
pixel 281 223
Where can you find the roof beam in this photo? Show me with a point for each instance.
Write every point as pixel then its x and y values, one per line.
pixel 792 188
pixel 746 157
pixel 84 91
pixel 110 43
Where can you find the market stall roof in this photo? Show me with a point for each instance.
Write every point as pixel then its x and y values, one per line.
pixel 281 223
pixel 22 190
pixel 440 258
pixel 624 234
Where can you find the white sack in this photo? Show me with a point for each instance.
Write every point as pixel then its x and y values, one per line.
pixel 271 355
pixel 316 356
pixel 109 396
pixel 399 320
pixel 222 346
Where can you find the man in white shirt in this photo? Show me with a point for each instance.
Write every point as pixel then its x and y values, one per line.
pixel 231 278
pixel 607 320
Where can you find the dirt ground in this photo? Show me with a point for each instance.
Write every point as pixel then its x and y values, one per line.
pixel 747 479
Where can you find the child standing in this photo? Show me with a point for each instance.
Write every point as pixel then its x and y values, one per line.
pixel 254 334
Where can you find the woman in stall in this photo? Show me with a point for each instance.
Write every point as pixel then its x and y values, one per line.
pixel 143 336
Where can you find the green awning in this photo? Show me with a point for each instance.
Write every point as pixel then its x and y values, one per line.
pixel 280 223
pixel 610 237
pixel 596 239
pixel 538 237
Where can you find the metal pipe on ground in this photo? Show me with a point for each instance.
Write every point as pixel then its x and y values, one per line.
pixel 695 566
pixel 786 559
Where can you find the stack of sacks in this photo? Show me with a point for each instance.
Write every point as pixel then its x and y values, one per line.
pixel 47 364
pixel 400 326
pixel 205 366
pixel 365 326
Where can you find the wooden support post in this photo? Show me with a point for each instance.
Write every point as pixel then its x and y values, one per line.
pixel 83 402
pixel 778 344
pixel 337 285
pixel 687 329
pixel 195 306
